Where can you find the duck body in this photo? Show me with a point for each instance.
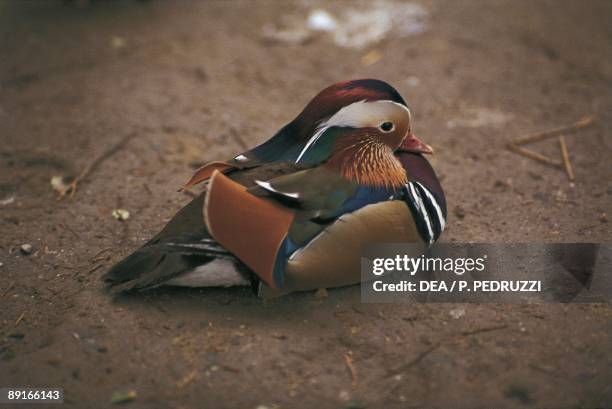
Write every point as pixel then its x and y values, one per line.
pixel 297 219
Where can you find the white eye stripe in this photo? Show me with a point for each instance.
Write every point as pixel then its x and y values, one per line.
pixel 356 115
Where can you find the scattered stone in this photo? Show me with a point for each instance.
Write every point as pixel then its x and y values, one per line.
pixel 26 249
pixel 603 218
pixel 371 58
pixel 321 20
pixel 560 196
pixel 121 214
pixel 7 201
pixel 60 184
pixel 123 396
pixel 117 42
pixel 322 293
pixel 413 81
pixel 457 313
pixel 16 335
pixel 344 395
pixel 291 36
pixel 459 212
pixel 503 184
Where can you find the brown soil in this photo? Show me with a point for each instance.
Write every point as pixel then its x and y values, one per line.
pixel 194 81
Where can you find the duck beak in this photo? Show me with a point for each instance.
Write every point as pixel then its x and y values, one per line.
pixel 415 145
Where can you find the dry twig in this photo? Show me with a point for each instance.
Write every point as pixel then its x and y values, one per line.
pixel 410 364
pixel 515 144
pixel 566 160
pixel 534 155
pixel 485 329
pixel 97 258
pixel 91 270
pixel 582 123
pixel 349 363
pixel 91 166
pixel 20 318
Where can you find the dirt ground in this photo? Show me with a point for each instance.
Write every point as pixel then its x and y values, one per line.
pixel 197 81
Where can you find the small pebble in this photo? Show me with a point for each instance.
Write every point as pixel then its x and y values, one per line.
pixel 321 293
pixel 459 212
pixel 7 201
pixel 344 395
pixel 321 20
pixel 457 313
pixel 121 214
pixel 123 396
pixel 603 218
pixel 117 42
pixel 413 81
pixel 26 248
pixel 503 184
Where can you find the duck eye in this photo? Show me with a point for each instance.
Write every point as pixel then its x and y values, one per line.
pixel 387 126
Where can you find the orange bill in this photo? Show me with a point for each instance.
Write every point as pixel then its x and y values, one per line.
pixel 206 172
pixel 250 227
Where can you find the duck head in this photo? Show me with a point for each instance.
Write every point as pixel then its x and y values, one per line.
pixel 288 143
pixel 360 142
pixel 331 106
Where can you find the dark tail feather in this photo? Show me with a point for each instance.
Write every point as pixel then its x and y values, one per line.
pixel 152 265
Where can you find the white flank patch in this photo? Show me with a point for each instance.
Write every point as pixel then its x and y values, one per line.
pixel 217 273
pixel 240 158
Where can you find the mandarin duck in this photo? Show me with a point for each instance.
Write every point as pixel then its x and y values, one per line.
pixel 293 213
